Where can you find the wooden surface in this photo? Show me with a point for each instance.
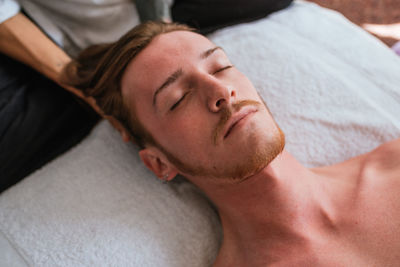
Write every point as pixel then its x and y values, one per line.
pixel 384 13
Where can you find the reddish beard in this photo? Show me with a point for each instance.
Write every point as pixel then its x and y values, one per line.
pixel 259 159
pixel 226 114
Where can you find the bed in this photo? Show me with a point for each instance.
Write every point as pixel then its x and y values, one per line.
pixel 333 89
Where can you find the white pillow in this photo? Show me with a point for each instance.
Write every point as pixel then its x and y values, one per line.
pixel 332 88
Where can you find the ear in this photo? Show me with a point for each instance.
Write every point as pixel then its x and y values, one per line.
pixel 157 162
pixel 121 129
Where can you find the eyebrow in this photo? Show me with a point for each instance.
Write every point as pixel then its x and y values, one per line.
pixel 178 73
pixel 208 52
pixel 171 79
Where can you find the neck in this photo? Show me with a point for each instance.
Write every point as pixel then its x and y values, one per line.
pixel 285 202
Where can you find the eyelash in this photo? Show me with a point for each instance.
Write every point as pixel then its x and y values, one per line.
pixel 180 100
pixel 177 103
pixel 222 69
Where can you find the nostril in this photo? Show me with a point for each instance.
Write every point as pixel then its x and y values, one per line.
pixel 219 103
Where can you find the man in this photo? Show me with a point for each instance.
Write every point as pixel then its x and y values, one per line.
pixel 178 96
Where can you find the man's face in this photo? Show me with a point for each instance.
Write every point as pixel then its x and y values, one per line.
pixel 205 115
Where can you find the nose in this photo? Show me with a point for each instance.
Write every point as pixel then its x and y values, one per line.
pixel 219 95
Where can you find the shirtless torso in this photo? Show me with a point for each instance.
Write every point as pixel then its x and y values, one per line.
pixel 363 229
pixel 366 230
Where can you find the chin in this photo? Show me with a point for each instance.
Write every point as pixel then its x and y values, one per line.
pixel 259 153
pixel 248 158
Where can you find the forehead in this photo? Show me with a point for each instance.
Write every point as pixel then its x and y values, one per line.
pixel 160 58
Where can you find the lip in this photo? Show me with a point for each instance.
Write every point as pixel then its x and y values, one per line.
pixel 236 118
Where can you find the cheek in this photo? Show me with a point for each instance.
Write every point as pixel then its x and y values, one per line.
pixel 187 133
pixel 191 129
pixel 244 87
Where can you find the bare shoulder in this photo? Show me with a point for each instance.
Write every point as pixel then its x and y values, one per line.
pixel 393 145
pixel 386 156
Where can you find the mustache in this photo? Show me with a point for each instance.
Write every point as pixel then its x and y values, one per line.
pixel 226 113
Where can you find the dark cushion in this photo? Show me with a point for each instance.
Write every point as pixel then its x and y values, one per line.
pixel 210 15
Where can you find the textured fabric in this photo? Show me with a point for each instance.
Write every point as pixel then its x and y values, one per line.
pixel 8 9
pixel 333 89
pixel 38 121
pixel 74 25
pixel 9 256
pixel 154 10
pixel 210 15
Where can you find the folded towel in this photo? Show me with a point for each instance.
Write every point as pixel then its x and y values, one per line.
pixel 332 88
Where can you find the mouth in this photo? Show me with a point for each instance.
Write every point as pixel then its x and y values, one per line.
pixel 237 118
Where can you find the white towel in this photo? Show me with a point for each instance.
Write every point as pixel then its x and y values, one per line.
pixel 332 88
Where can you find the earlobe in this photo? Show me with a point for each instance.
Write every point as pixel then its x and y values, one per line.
pixel 157 163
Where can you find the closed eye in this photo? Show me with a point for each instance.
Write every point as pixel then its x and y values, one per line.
pixel 178 102
pixel 222 69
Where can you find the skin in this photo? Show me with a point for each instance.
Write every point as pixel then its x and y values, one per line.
pixel 191 131
pixel 276 212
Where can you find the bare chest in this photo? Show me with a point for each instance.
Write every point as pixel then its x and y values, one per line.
pixel 373 225
pixel 369 230
pixel 366 230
